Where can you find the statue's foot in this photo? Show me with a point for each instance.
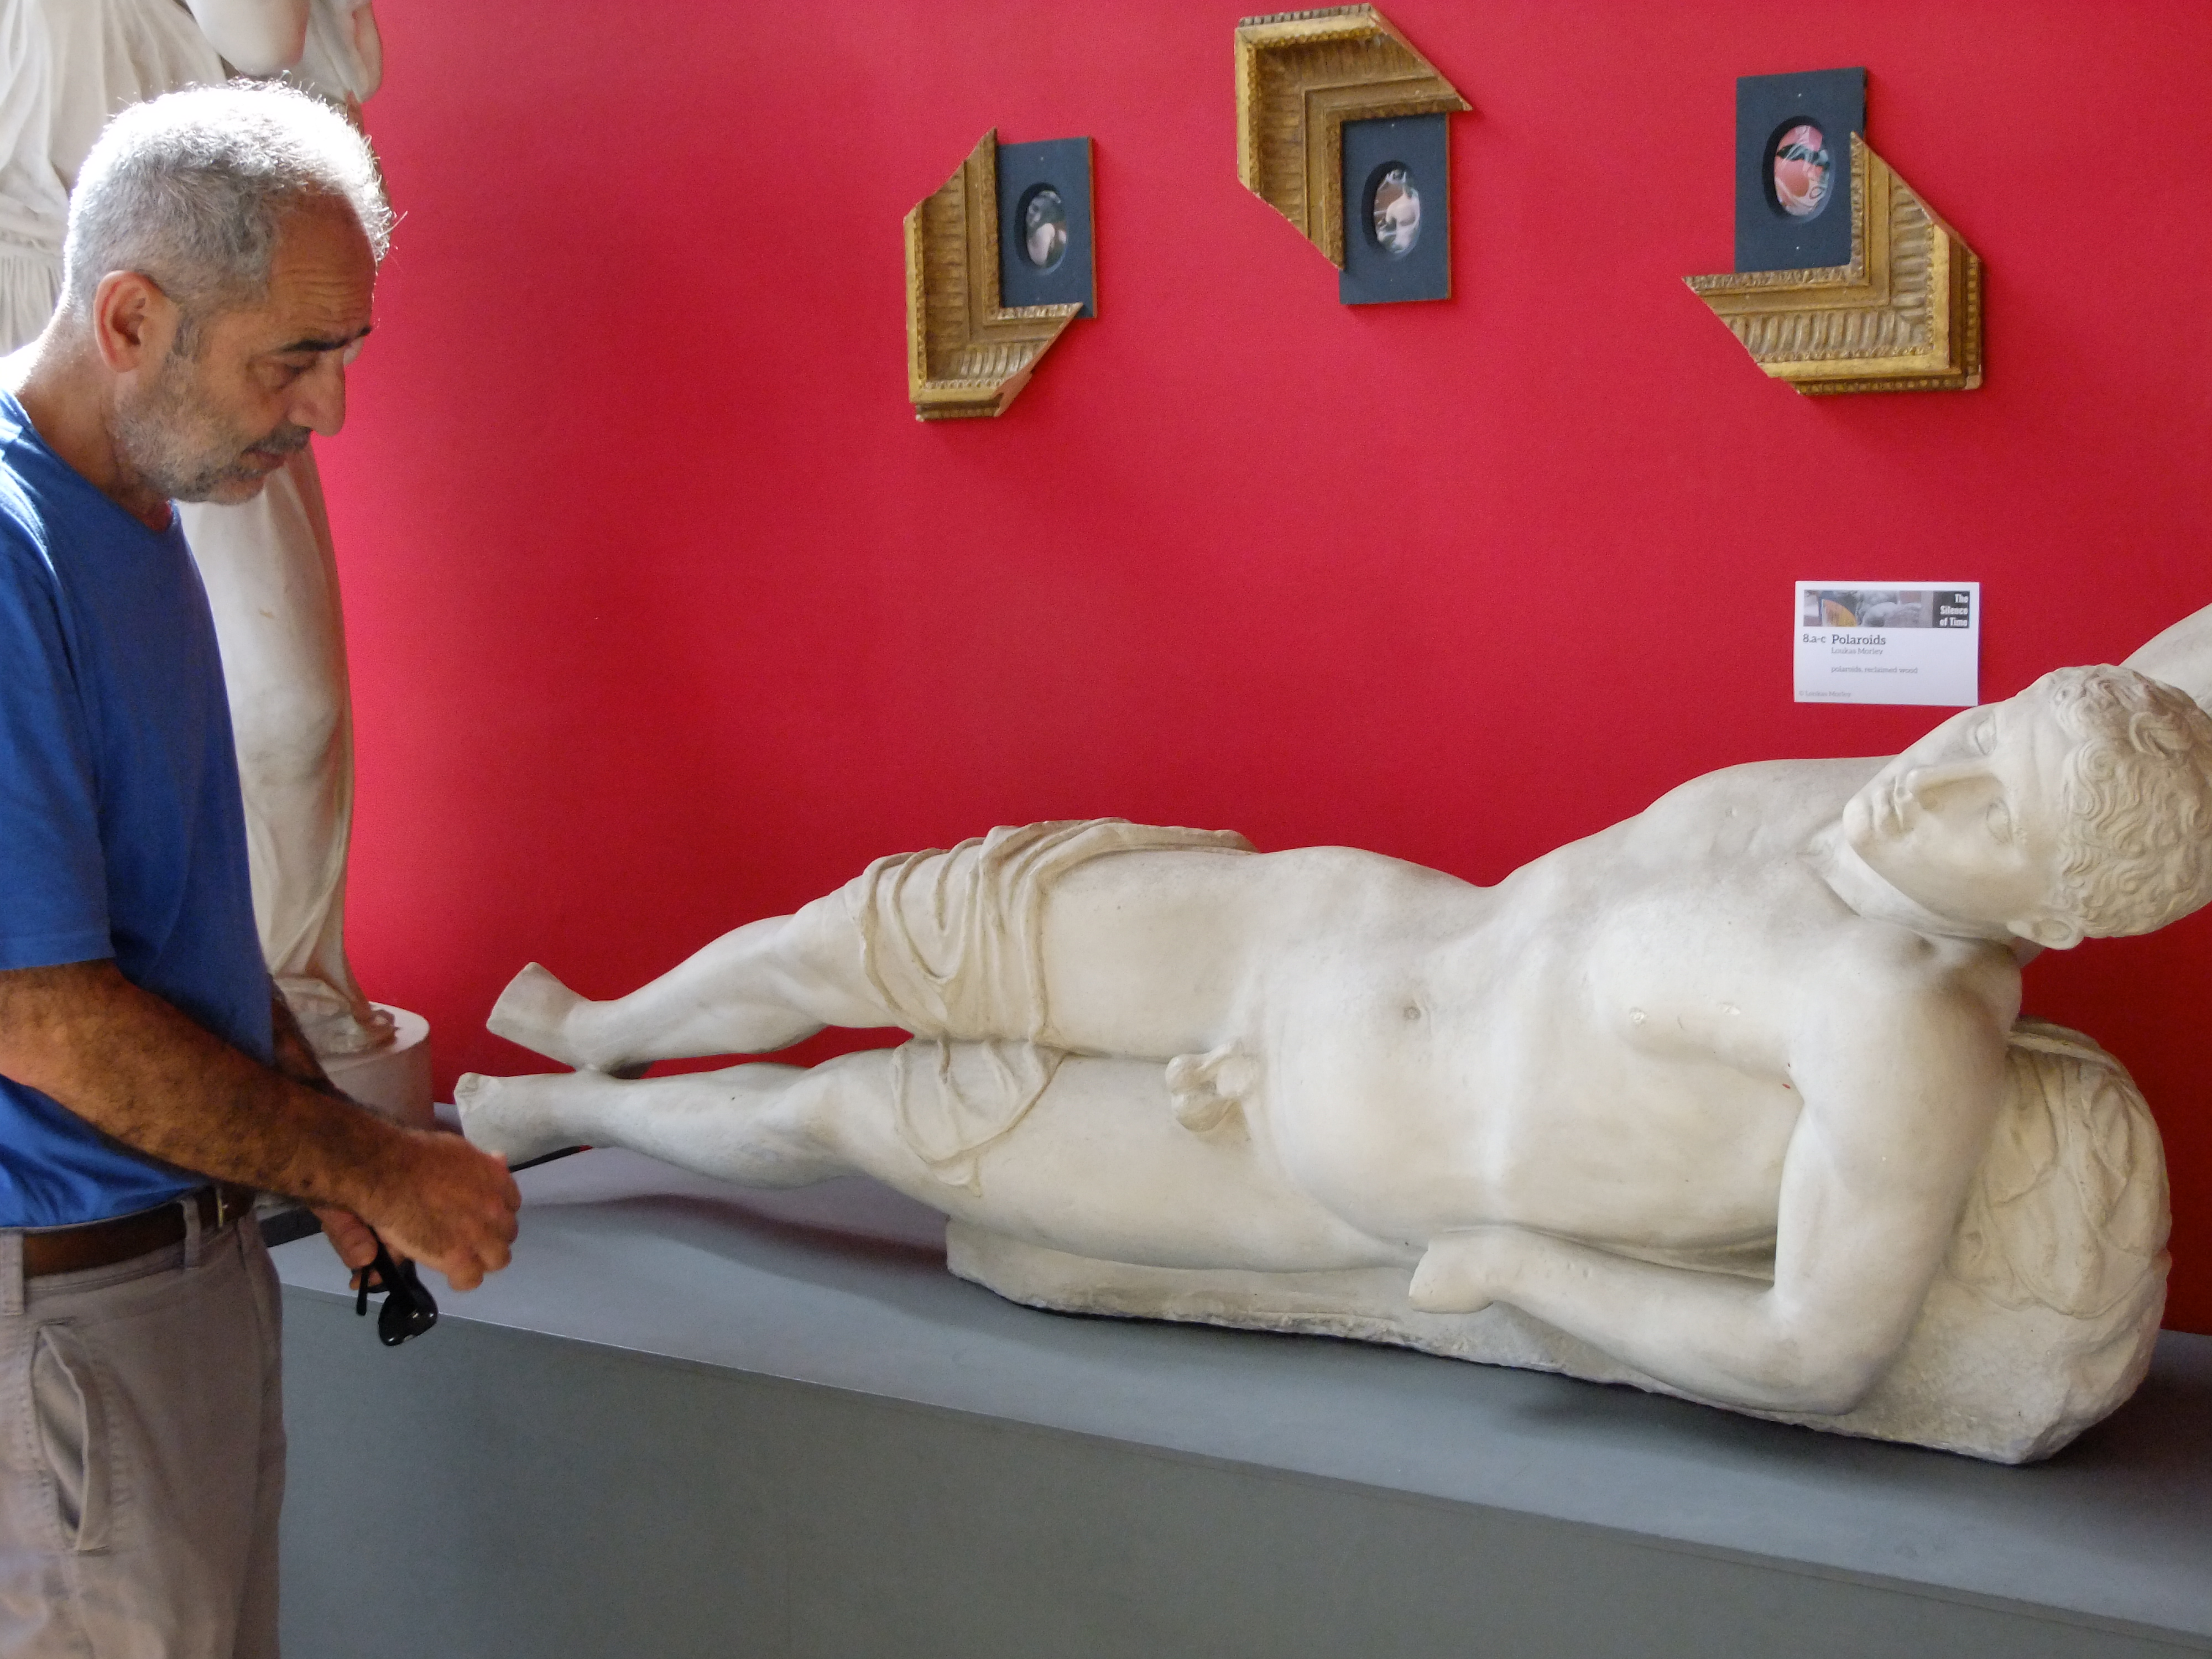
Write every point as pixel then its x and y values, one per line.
pixel 335 1024
pixel 547 1018
pixel 518 1117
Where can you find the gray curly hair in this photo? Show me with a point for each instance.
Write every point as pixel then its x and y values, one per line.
pixel 2136 852
pixel 191 188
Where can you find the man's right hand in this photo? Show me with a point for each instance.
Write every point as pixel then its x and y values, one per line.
pixel 447 1205
pixel 142 1070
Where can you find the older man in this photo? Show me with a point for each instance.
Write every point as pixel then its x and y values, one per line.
pixel 219 267
pixel 1705 1091
pixel 268 565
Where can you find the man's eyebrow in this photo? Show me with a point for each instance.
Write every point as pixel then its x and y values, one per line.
pixel 316 343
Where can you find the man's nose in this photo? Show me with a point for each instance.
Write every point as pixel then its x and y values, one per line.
pixel 318 396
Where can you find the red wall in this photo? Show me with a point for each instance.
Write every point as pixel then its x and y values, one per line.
pixel 666 613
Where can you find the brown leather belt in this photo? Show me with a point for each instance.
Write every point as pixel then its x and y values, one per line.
pixel 104 1243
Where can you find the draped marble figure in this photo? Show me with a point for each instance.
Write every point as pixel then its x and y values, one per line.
pixel 268 565
pixel 1730 1100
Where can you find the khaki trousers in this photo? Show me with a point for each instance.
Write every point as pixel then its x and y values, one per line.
pixel 142 1452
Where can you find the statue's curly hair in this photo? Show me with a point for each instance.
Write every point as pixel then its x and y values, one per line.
pixel 2135 852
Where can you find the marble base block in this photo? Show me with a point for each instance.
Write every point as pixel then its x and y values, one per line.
pixel 395 1080
pixel 2010 1385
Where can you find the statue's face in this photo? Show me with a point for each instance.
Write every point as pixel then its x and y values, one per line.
pixel 1968 821
pixel 212 422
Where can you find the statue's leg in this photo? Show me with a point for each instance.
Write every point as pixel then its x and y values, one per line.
pixel 751 1124
pixel 1148 954
pixel 1095 1165
pixel 757 988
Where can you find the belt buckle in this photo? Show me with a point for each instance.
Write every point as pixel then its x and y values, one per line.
pixel 224 1215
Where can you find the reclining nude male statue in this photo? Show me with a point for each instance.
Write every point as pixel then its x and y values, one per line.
pixel 1727 1101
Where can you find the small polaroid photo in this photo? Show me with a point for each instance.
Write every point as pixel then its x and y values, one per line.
pixel 1793 167
pixel 1045 256
pixel 1892 642
pixel 1397 210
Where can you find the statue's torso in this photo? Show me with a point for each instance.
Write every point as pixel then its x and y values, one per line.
pixel 1601 1047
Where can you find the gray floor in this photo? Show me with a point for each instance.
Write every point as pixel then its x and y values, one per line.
pixel 691 1419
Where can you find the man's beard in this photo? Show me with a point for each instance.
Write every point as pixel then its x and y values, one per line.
pixel 174 448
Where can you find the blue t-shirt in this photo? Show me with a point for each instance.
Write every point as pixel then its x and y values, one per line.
pixel 121 832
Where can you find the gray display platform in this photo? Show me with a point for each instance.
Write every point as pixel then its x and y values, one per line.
pixel 695 1420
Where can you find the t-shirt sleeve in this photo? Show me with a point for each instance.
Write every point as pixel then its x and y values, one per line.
pixel 53 879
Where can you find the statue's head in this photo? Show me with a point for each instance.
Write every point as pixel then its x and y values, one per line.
pixel 2080 809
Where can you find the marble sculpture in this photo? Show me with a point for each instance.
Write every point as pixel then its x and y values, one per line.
pixel 1730 1100
pixel 272 578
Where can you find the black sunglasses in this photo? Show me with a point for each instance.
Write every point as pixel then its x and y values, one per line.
pixel 408 1310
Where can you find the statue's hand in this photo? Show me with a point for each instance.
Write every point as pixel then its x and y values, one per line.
pixel 1207 1090
pixel 1464 1272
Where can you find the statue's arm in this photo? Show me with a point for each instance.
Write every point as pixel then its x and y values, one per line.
pixel 2181 656
pixel 255 37
pixel 1898 1101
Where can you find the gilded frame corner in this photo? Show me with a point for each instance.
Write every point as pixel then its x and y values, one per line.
pixel 1300 77
pixel 967 355
pixel 1905 315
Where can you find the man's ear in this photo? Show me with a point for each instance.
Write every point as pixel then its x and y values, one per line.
pixel 132 320
pixel 2049 932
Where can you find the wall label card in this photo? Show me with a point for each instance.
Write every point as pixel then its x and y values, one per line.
pixel 1862 642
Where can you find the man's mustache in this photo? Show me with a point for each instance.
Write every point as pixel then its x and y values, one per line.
pixel 284 440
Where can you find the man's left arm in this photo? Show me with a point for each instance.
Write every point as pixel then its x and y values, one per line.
pixel 1900 1092
pixel 292 1055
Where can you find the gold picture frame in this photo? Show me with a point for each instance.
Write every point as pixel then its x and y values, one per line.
pixel 967 355
pixel 1300 77
pixel 1905 315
